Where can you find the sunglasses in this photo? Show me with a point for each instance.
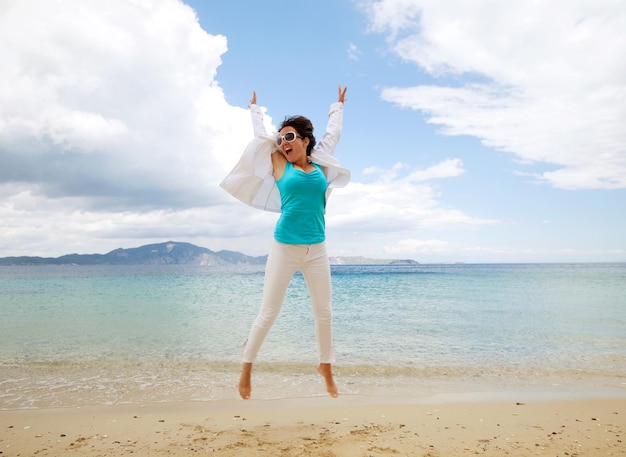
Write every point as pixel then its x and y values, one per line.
pixel 288 137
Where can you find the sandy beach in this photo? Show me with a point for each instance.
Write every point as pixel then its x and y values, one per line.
pixel 347 426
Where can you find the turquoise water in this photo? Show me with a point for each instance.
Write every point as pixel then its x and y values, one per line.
pixel 72 335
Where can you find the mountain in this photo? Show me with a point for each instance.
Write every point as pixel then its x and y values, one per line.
pixel 169 253
pixel 176 253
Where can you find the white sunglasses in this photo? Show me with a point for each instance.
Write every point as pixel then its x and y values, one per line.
pixel 288 137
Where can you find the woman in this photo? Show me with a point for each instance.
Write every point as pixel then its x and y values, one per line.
pixel 290 173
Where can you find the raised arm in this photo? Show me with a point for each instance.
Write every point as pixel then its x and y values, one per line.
pixel 257 116
pixel 333 128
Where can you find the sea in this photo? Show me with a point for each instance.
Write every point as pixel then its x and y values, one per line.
pixel 73 336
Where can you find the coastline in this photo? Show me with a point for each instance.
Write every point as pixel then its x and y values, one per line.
pixel 351 425
pixel 115 382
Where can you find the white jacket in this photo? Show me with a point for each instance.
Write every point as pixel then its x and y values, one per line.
pixel 252 180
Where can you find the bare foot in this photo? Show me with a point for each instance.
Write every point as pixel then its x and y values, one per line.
pixel 245 384
pixel 325 370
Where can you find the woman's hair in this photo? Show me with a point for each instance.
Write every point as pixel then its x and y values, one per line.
pixel 304 127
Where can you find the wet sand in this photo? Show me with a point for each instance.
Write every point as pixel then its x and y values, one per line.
pixel 320 426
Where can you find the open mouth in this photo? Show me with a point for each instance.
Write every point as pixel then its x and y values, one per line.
pixel 287 151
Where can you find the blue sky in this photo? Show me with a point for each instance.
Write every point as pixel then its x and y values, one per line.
pixel 490 132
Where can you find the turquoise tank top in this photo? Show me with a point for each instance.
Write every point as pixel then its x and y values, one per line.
pixel 303 200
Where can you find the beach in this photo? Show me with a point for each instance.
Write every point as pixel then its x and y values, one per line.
pixel 348 426
pixel 432 360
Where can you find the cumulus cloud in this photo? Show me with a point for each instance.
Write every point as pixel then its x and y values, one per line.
pixel 113 104
pixel 544 81
pixel 112 124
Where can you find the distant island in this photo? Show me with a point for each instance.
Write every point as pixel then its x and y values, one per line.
pixel 174 253
pixel 168 253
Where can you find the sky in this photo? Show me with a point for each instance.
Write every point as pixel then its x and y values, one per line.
pixel 479 132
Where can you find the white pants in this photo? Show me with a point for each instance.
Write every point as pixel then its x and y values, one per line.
pixel 283 261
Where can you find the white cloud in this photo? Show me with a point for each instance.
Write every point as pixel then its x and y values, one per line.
pixel 112 125
pixel 545 81
pixel 398 201
pixel 30 227
pixel 446 169
pixel 354 53
pixel 439 251
pixel 420 247
pixel 113 103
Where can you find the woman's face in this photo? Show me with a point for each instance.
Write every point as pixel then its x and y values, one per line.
pixel 296 149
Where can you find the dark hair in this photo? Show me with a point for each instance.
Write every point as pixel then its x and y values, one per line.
pixel 304 127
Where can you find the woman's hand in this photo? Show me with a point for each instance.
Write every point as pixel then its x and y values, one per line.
pixel 342 94
pixel 253 99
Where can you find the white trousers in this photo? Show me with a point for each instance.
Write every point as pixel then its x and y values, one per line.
pixel 283 261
